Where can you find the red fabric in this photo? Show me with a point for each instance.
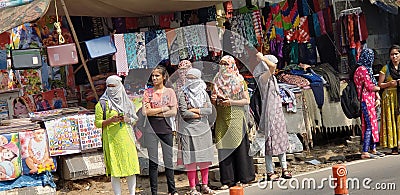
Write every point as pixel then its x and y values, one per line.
pixel 328 19
pixel 350 28
pixel 165 20
pixel 131 23
pixel 363 27
pixel 304 33
pixel 316 6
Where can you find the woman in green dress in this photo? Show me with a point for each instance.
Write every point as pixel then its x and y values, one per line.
pixel 120 154
pixel 230 96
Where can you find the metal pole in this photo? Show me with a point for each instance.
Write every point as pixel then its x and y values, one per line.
pixel 79 48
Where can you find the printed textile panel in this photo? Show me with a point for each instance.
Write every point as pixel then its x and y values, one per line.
pixel 90 136
pixel 63 136
pixel 35 152
pixel 10 159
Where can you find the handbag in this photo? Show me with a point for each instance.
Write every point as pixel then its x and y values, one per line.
pixel 26 58
pixel 100 47
pixel 60 55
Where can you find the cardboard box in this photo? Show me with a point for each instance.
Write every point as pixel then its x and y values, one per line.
pixel 83 165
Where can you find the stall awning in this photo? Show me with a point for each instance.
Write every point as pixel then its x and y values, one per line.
pixel 14 16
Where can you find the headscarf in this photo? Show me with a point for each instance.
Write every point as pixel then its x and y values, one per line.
pixel 117 98
pixel 262 67
pixel 195 89
pixel 228 82
pixel 367 60
pixel 183 67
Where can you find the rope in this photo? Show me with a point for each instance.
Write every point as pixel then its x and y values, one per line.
pixel 57 25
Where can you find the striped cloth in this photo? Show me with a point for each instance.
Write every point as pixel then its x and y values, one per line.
pixel 257 25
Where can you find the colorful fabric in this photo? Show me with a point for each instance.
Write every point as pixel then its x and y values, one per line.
pixel 130 48
pixel 257 25
pixel 304 32
pixel 162 45
pixel 196 40
pixel 365 89
pixel 132 23
pixel 183 48
pixel 367 145
pixel 120 55
pixel 141 50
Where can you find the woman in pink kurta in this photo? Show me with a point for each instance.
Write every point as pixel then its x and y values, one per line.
pixel 367 86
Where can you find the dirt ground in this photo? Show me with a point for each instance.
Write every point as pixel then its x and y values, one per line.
pixel 328 155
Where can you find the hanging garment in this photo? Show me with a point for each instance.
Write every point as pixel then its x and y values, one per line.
pixel 130 48
pixel 317 27
pixel 328 19
pixel 184 49
pixel 165 20
pixel 257 25
pixel 363 27
pixel 196 40
pixel 304 9
pixel 214 43
pixel 316 6
pixel 326 50
pixel 321 22
pixel 308 52
pixel 311 26
pixel 162 45
pixel 172 47
pixel 304 32
pixel 152 55
pixel 228 9
pixel 350 28
pixel 141 50
pixel 119 24
pixel 286 20
pixel 120 55
pixel 132 23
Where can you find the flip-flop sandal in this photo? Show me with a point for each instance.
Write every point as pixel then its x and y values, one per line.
pixel 380 154
pixel 369 156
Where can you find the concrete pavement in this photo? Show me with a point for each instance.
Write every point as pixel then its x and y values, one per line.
pixel 367 177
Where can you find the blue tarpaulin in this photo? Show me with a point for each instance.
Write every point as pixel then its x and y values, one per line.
pixel 42 179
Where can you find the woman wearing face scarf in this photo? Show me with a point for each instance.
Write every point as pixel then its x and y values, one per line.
pixel 230 95
pixel 195 132
pixel 367 89
pixel 272 119
pixel 183 67
pixel 389 79
pixel 119 148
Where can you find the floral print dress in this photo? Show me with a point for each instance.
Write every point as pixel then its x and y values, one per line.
pixel 363 82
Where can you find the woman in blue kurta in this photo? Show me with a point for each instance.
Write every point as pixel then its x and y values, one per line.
pixel 119 148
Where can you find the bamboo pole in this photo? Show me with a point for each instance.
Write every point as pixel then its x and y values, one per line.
pixel 79 48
